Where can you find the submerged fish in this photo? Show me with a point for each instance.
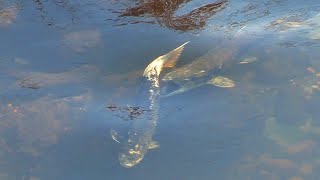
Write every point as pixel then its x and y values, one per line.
pixel 140 135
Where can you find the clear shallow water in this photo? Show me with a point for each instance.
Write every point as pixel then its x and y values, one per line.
pixel 63 62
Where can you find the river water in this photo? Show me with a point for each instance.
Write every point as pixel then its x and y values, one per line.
pixel 71 82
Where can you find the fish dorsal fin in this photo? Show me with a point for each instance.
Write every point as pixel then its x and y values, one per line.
pixel 172 57
pixel 153 70
pixel 115 136
pixel 168 60
pixel 154 145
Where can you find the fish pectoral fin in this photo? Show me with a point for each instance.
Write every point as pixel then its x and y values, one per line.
pixel 154 145
pixel 221 81
pixel 171 58
pixel 115 136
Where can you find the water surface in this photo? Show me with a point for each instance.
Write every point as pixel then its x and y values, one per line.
pixel 62 63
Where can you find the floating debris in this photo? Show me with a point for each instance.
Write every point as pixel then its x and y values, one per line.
pixel 127 112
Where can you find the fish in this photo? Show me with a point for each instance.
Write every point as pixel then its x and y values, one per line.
pixel 140 135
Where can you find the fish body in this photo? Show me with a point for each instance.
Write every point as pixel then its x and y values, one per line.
pixel 140 135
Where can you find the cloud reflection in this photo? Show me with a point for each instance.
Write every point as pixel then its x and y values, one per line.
pixel 80 41
pixel 8 16
pixel 29 129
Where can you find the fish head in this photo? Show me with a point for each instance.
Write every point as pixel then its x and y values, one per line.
pixel 134 150
pixel 130 158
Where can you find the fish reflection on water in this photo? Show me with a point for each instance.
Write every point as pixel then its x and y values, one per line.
pixel 140 135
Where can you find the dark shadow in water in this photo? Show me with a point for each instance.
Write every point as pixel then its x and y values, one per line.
pixel 163 12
